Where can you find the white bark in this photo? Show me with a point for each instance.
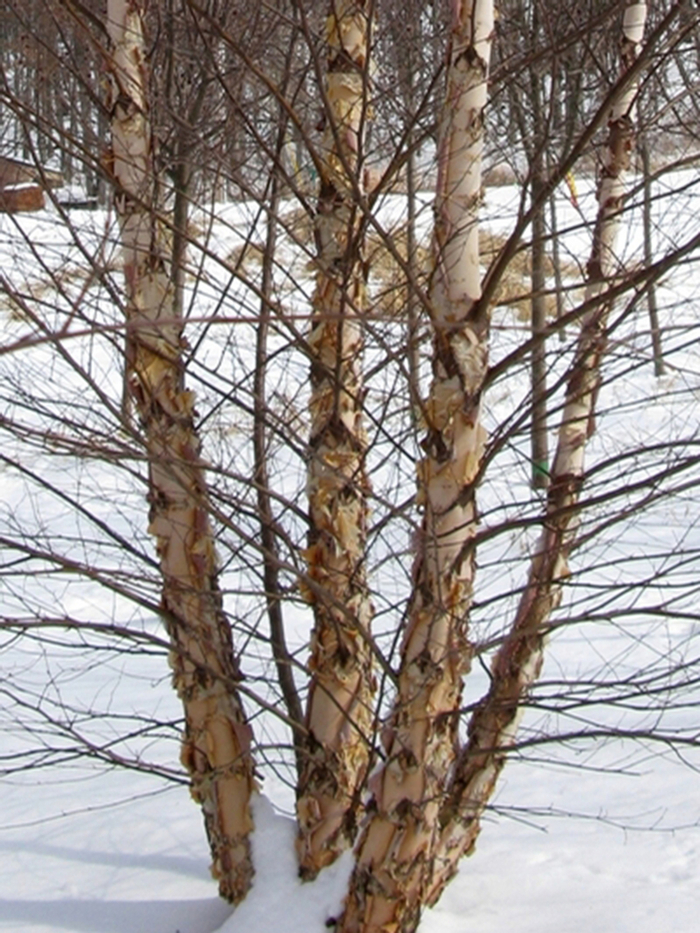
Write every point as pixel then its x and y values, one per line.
pixel 216 746
pixel 394 851
pixel 517 664
pixel 340 710
pixel 603 265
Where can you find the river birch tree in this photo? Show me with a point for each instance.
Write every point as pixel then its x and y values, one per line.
pixel 340 712
pixel 517 663
pixel 399 771
pixel 395 849
pixel 216 744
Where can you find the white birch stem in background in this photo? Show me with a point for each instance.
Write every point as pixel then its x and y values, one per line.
pixel 517 663
pixel 394 852
pixel 216 745
pixel 340 710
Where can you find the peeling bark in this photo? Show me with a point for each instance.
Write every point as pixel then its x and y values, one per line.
pixel 517 664
pixel 578 417
pixel 339 714
pixel 216 745
pixel 394 852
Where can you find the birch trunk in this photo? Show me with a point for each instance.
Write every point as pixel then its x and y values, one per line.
pixel 339 711
pixel 394 852
pixel 216 745
pixel 518 662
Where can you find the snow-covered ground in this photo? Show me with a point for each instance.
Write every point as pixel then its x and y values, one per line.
pixel 92 855
pixel 588 836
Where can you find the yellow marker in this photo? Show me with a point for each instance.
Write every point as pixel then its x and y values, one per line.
pixel 571 182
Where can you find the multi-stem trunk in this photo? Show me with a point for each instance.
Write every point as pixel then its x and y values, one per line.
pixel 394 852
pixel 339 712
pixel 517 663
pixel 216 746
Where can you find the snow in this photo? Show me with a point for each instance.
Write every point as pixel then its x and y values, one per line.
pixel 139 866
pixel 279 900
pixel 581 837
